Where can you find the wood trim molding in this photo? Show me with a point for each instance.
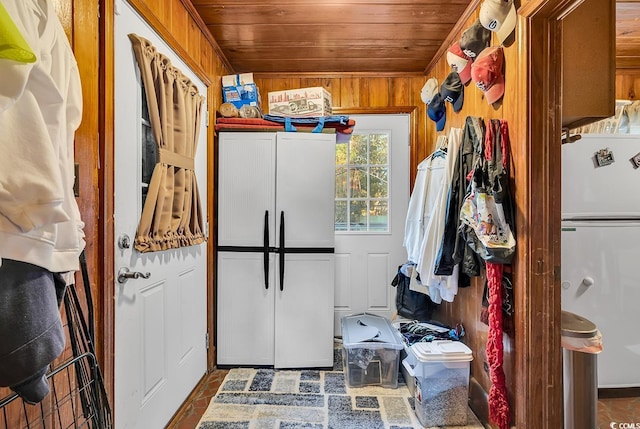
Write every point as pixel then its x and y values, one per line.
pixel 211 190
pixel 141 7
pixel 390 110
pixel 206 33
pixel 332 75
pixel 453 35
pixel 539 403
pixel 106 327
pixel 384 110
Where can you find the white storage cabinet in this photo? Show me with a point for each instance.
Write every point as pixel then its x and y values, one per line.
pixel 275 260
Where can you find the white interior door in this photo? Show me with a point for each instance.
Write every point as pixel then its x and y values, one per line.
pixel 160 322
pixel 368 240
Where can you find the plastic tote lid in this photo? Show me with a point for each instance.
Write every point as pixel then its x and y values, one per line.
pixel 439 351
pixel 369 331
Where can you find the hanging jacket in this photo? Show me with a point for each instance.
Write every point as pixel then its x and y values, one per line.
pixel 422 202
pixel 440 287
pixel 452 249
pixel 40 109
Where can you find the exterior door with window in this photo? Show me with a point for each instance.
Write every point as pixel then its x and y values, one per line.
pixel 372 196
pixel 160 321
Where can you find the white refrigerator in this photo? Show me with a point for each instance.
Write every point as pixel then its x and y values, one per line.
pixel 601 248
pixel 275 249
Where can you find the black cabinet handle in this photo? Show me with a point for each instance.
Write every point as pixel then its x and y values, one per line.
pixel 265 252
pixel 281 251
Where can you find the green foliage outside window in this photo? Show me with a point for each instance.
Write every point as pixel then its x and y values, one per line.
pixel 362 183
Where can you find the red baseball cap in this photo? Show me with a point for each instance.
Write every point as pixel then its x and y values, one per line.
pixel 459 62
pixel 486 73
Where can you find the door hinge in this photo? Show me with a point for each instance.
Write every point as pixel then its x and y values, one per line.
pixel 206 229
pixel 208 118
pixel 206 340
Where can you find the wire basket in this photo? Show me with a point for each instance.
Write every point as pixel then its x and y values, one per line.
pixel 73 401
pixel 77 396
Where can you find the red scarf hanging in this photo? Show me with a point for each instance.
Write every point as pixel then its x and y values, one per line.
pixel 498 403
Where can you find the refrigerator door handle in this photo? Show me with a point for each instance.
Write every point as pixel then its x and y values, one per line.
pixel 281 251
pixel 265 251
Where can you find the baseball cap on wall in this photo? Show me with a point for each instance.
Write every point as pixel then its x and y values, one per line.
pixel 437 111
pixel 459 62
pixel 474 40
pixel 429 89
pixel 452 91
pixel 486 73
pixel 498 16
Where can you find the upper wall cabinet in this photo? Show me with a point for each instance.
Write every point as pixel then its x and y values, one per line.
pixel 588 63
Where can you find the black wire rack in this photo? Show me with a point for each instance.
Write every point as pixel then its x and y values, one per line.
pixel 77 396
pixel 71 403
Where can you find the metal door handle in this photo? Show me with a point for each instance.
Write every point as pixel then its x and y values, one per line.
pixel 265 251
pixel 281 251
pixel 124 274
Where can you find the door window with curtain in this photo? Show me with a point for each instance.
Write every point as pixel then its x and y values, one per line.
pixel 172 211
pixel 362 183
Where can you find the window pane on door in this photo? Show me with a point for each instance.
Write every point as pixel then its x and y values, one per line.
pixel 149 148
pixel 362 183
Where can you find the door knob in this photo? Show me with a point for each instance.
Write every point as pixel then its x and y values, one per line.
pixel 124 274
pixel 588 281
pixel 124 242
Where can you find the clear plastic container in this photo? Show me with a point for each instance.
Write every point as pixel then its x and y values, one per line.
pixel 371 350
pixel 441 370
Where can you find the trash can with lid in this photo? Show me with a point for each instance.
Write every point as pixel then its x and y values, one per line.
pixel 581 343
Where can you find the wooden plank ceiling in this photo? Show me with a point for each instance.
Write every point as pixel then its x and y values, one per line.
pixel 628 34
pixel 340 36
pixel 357 36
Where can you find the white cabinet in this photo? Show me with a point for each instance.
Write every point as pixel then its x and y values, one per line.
pixel 275 266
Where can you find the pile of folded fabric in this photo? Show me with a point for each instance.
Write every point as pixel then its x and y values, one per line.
pixel 339 124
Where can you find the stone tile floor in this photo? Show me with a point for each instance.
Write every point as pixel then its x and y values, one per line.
pixel 610 410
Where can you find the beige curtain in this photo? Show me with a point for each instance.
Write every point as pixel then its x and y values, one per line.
pixel 172 214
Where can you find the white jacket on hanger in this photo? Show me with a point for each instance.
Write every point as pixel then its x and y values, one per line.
pixel 439 287
pixel 422 201
pixel 40 110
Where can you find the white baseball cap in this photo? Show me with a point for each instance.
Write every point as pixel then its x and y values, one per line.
pixel 429 90
pixel 498 16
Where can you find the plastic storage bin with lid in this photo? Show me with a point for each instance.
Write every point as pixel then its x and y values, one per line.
pixel 371 350
pixel 441 370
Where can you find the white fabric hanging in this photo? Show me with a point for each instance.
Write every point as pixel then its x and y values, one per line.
pixel 422 201
pixel 40 109
pixel 439 287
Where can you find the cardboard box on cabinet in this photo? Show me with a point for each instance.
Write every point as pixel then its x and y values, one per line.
pixel 240 90
pixel 314 101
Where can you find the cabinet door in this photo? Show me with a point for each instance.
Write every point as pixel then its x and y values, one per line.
pixel 246 188
pixel 304 312
pixel 305 188
pixel 588 81
pixel 245 320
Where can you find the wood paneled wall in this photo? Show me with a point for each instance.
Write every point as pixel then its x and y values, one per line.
pixel 628 84
pixel 362 91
